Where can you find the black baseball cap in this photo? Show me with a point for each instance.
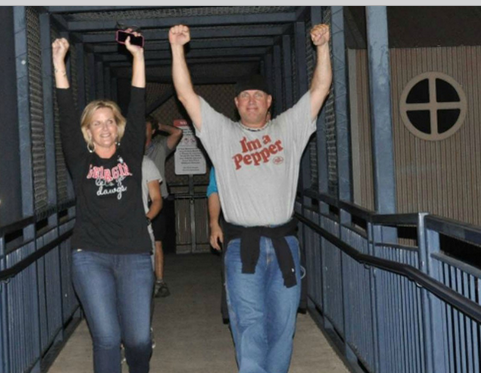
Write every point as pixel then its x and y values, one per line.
pixel 256 82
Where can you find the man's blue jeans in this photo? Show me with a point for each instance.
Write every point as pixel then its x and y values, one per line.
pixel 116 292
pixel 262 311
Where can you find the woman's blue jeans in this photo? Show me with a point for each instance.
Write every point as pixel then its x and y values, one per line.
pixel 116 293
pixel 262 311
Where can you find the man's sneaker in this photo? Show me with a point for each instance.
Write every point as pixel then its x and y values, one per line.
pixel 161 289
pixel 122 354
pixel 152 337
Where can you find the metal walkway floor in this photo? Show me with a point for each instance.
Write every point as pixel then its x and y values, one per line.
pixel 189 333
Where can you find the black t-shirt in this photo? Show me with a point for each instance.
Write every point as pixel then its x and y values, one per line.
pixel 110 216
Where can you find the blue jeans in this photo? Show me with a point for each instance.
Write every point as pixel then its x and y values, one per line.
pixel 262 311
pixel 116 292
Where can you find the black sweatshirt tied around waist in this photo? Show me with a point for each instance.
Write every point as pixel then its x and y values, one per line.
pixel 250 246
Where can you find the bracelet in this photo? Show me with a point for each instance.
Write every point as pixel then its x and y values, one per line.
pixel 56 71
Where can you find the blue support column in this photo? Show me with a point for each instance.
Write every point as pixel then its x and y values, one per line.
pixel 106 81
pixel 10 198
pixel 301 60
pixel 381 117
pixel 287 70
pixel 92 76
pixel 278 83
pixel 316 15
pixel 80 56
pixel 341 105
pixel 268 74
pixel 48 116
pixel 113 89
pixel 99 78
pixel 26 167
pixel 322 161
pixel 344 179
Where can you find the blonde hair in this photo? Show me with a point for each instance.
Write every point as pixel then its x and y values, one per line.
pixel 89 111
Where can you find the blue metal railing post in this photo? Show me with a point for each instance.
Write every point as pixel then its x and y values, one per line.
pixel 3 313
pixel 427 323
pixel 374 311
pixel 436 326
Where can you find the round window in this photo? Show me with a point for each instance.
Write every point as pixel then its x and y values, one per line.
pixel 433 106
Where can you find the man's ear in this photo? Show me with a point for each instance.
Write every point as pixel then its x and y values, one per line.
pixel 236 101
pixel 269 101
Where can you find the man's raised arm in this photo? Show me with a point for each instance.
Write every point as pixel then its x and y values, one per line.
pixel 322 77
pixel 179 35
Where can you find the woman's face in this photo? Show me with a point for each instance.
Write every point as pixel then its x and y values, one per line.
pixel 103 128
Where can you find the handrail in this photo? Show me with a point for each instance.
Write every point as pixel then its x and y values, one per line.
pixel 453 228
pixel 6 274
pixel 465 305
pixel 6 229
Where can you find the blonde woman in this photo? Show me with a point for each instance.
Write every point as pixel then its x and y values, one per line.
pixel 111 266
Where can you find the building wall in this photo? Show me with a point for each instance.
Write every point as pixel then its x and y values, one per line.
pixel 439 177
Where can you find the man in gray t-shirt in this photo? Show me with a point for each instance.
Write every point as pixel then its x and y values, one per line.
pixel 158 148
pixel 257 166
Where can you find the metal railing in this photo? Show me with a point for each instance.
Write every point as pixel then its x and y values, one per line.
pixel 392 307
pixel 38 307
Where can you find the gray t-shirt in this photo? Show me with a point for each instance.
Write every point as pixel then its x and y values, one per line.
pixel 257 170
pixel 149 172
pixel 158 151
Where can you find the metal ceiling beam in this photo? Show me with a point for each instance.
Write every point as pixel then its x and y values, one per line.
pixel 256 51
pixel 198 81
pixel 240 19
pixel 194 44
pixel 197 33
pixel 88 9
pixel 168 61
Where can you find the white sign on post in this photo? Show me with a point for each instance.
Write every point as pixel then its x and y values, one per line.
pixel 189 159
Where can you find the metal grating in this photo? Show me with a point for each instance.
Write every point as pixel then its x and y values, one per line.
pixel 36 110
pixel 331 138
pixel 295 77
pixel 61 174
pixel 87 79
pixel 177 12
pixel 312 146
pixel 221 98
pixel 74 73
pixel 155 90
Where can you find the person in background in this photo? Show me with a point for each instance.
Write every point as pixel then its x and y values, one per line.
pixel 257 165
pixel 158 148
pixel 216 237
pixel 111 266
pixel 151 196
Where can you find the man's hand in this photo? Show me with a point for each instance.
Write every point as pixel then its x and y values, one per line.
pixel 179 35
pixel 216 235
pixel 320 34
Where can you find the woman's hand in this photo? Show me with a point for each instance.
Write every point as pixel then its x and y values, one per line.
pixel 59 50
pixel 133 49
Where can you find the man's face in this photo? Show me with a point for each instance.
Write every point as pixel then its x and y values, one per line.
pixel 253 106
